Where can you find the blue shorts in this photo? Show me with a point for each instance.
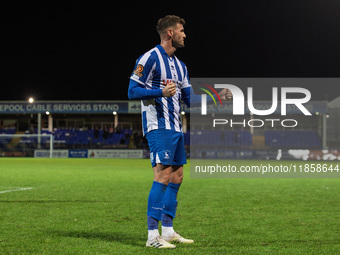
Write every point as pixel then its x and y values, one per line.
pixel 166 147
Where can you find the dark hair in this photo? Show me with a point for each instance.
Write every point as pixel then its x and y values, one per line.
pixel 168 21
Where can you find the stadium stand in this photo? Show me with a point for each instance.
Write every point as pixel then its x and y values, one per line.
pixel 5 141
pixel 72 138
pixel 78 138
pixel 240 138
pixel 83 138
pixel 6 131
pixel 298 139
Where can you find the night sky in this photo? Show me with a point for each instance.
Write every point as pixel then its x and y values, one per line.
pixel 86 50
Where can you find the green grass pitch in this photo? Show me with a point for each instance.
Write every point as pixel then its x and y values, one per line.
pixel 98 206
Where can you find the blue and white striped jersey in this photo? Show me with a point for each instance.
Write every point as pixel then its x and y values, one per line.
pixel 154 70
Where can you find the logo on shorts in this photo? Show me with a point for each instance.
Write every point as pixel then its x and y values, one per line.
pixel 167 155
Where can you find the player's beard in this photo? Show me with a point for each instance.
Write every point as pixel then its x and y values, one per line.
pixel 177 44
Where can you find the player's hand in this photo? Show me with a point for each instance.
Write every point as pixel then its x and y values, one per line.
pixel 169 90
pixel 226 94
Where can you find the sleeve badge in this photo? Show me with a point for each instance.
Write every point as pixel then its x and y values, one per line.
pixel 139 70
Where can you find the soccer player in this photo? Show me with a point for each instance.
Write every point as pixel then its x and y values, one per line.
pixel 161 81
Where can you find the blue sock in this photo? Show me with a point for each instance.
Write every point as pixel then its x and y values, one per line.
pixel 152 223
pixel 155 201
pixel 170 202
pixel 167 220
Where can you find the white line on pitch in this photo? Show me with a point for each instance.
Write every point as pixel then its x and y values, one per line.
pixel 17 189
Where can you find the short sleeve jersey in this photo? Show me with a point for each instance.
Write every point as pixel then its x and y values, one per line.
pixel 154 70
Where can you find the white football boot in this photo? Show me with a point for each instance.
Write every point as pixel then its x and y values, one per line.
pixel 176 238
pixel 159 242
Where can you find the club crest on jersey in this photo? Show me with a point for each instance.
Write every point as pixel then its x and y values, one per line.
pixel 139 70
